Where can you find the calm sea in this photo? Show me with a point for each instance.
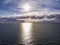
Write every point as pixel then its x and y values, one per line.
pixel 29 33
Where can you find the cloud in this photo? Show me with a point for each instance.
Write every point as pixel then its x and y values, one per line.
pixel 43 6
pixel 7 1
pixel 15 19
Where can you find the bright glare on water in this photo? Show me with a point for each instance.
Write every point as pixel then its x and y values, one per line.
pixel 26 30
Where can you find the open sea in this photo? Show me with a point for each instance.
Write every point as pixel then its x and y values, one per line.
pixel 30 33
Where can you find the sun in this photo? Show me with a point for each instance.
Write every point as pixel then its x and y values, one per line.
pixel 26 7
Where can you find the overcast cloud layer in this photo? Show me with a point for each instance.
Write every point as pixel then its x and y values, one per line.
pixel 9 7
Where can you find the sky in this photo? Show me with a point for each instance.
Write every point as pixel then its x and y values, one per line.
pixel 15 7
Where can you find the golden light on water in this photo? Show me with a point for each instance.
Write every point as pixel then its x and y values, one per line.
pixel 26 30
pixel 26 27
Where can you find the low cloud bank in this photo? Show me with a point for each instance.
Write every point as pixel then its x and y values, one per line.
pixel 30 18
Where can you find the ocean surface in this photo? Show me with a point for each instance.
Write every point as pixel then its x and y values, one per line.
pixel 29 33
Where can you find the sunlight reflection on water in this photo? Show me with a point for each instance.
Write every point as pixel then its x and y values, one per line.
pixel 26 30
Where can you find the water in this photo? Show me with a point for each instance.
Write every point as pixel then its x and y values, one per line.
pixel 29 33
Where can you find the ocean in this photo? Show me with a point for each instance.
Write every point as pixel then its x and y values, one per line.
pixel 29 33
